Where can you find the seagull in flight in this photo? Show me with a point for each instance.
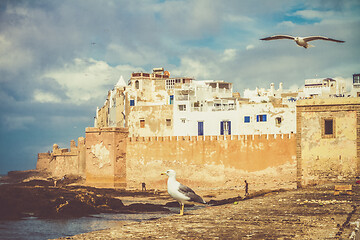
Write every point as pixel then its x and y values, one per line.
pixel 301 41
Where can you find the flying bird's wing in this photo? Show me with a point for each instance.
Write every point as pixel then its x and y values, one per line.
pixel 278 37
pixel 312 38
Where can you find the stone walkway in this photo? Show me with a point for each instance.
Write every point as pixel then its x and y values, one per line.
pixel 312 213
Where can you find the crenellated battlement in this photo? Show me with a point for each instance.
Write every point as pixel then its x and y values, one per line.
pixel 239 154
pixel 213 138
pixel 110 158
pixel 62 161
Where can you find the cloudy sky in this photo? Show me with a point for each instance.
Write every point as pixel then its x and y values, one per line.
pixel 58 59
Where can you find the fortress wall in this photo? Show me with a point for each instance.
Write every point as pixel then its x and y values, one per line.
pixel 62 161
pixel 64 164
pixel 43 162
pixel 211 161
pixel 109 158
pixel 106 157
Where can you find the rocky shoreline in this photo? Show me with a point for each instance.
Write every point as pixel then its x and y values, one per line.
pixel 34 194
pixel 29 193
pixel 310 213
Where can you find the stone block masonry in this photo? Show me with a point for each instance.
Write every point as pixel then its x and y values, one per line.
pixel 106 157
pixel 328 140
pixel 62 161
pixel 209 161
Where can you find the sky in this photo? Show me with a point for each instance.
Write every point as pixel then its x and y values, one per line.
pixel 58 59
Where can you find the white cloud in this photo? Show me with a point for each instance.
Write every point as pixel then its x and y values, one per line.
pixel 314 14
pixel 84 79
pixel 249 47
pixel 13 57
pixel 191 67
pixel 45 97
pixel 17 122
pixel 238 19
pixel 286 24
pixel 229 54
pixel 135 55
pixel 191 19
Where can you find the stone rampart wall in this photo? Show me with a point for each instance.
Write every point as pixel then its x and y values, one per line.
pixel 63 161
pixel 109 158
pixel 211 161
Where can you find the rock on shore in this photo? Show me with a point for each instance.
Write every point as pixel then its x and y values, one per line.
pixel 38 197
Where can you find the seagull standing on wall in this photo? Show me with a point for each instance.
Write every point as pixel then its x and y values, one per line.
pixel 179 192
pixel 301 41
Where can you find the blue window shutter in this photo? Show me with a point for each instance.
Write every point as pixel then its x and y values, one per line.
pixel 247 119
pixel 264 118
pixel 229 126
pixel 132 102
pixel 221 128
pixel 257 118
pixel 200 128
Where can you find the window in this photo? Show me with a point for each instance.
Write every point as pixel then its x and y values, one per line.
pixel 356 79
pixel 183 120
pixel 142 123
pixel 182 107
pixel 278 121
pixel 132 102
pixel 225 128
pixel 137 85
pixel 246 119
pixel 261 118
pixel 169 84
pixel 328 128
pixel 168 122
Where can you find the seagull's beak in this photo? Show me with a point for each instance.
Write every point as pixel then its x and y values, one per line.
pixel 163 173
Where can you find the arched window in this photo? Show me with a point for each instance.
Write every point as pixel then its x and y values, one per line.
pixel 137 84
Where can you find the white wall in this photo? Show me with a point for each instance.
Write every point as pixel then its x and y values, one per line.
pixel 287 115
pixel 212 120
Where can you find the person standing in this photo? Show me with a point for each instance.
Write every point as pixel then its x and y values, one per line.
pixel 143 187
pixel 246 188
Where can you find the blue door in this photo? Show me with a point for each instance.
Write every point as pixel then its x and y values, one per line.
pixel 171 99
pixel 225 128
pixel 200 128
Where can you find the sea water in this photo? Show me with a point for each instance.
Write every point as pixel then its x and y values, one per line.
pixel 33 228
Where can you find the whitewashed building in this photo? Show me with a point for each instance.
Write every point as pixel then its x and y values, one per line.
pixel 324 87
pixel 153 104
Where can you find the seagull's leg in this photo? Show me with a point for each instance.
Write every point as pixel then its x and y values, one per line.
pixel 181 209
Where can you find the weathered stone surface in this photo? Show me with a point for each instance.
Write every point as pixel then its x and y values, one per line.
pixel 39 198
pixel 313 213
pixel 332 155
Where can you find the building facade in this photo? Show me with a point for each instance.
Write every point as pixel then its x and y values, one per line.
pixel 155 122
pixel 328 141
pixel 157 105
